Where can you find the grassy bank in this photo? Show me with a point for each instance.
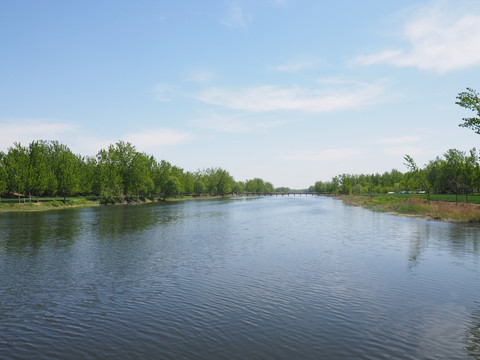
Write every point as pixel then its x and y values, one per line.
pixel 415 206
pixel 45 204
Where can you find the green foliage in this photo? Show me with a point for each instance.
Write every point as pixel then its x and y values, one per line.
pixel 17 164
pixel 257 185
pixel 199 187
pixel 112 195
pixel 218 181
pixel 172 187
pixel 470 99
pixel 116 174
pixel 3 174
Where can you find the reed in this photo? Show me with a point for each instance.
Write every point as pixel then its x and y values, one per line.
pixel 438 210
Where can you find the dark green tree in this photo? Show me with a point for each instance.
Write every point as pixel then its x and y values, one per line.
pixel 38 171
pixel 172 187
pixel 17 165
pixel 3 174
pixel 199 187
pixel 66 171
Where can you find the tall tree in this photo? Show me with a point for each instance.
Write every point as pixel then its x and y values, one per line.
pixel 454 171
pixel 38 174
pixel 172 187
pixel 17 164
pixel 66 171
pixel 470 99
pixel 420 179
pixel 3 174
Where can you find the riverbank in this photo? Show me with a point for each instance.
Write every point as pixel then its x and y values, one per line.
pixel 45 205
pixel 36 206
pixel 413 206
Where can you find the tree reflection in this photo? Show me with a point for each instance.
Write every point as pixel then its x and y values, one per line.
pixel 459 240
pixel 23 232
pixel 473 334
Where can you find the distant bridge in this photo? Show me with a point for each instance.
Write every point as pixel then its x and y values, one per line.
pixel 282 193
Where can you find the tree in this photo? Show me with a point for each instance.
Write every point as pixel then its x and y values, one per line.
pixel 420 179
pixel 320 187
pixel 470 99
pixel 454 170
pixel 470 172
pixel 87 175
pixel 3 174
pixel 109 177
pixel 238 187
pixel 38 174
pixel 66 171
pixel 16 164
pixel 172 187
pixel 199 187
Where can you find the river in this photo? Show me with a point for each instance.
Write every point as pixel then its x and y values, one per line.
pixel 242 278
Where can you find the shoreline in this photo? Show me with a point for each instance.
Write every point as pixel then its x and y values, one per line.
pixel 40 206
pixel 460 212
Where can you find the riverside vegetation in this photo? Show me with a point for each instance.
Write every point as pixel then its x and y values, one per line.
pixel 452 177
pixel 120 174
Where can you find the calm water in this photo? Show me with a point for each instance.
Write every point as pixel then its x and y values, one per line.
pixel 265 278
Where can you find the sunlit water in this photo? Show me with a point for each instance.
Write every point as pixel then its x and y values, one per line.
pixel 258 278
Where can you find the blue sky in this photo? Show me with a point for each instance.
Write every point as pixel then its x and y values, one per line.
pixel 292 91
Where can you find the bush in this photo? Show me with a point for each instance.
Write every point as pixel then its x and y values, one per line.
pixel 112 196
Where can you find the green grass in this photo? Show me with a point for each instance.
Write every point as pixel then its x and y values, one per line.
pixel 415 204
pixel 46 203
pixel 472 198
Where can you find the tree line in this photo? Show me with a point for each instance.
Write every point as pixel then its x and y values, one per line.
pixel 455 172
pixel 116 174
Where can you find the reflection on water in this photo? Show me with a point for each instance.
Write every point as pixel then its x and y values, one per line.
pixel 473 333
pixel 241 278
pixel 21 231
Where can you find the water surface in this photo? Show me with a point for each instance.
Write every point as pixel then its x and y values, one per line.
pixel 264 278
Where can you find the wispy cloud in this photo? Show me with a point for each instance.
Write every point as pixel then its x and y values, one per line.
pixel 326 155
pixel 275 98
pixel 400 140
pixel 443 38
pixel 157 138
pixel 78 140
pixel 201 77
pixel 27 130
pixel 296 65
pixel 235 123
pixel 400 151
pixel 162 92
pixel 235 17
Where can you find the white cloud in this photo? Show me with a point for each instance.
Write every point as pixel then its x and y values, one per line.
pixel 443 38
pixel 296 65
pixel 27 130
pixel 74 136
pixel 400 140
pixel 275 98
pixel 401 151
pixel 201 77
pixel 162 92
pixel 235 17
pixel 88 145
pixel 327 155
pixel 234 123
pixel 156 138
